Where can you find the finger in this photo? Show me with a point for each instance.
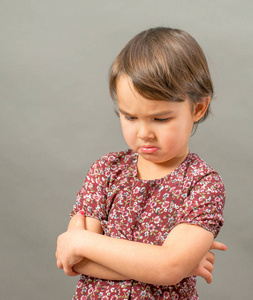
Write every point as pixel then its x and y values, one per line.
pixel 207 276
pixel 218 246
pixel 72 222
pixel 210 257
pixel 80 221
pixel 59 264
pixel 77 221
pixel 209 267
pixel 70 272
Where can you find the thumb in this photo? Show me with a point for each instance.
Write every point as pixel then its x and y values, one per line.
pixel 80 220
pixel 218 246
pixel 77 221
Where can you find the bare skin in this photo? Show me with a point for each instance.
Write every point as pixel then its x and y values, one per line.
pixel 159 132
pixel 108 264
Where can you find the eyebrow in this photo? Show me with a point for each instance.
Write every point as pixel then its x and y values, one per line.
pixel 164 113
pixel 123 112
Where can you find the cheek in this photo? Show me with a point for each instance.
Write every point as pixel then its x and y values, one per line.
pixel 128 133
pixel 176 134
pixel 184 125
pixel 171 139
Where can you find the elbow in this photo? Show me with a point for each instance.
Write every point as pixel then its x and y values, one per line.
pixel 176 279
pixel 170 274
pixel 169 279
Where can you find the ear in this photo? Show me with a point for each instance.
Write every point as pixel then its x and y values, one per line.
pixel 200 108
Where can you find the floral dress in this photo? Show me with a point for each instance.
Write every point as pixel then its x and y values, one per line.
pixel 146 211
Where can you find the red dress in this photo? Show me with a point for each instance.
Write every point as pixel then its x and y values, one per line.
pixel 146 211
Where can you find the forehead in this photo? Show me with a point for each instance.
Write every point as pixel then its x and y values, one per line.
pixel 129 100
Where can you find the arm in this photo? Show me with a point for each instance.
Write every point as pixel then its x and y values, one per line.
pixel 93 269
pixel 86 266
pixel 205 266
pixel 181 253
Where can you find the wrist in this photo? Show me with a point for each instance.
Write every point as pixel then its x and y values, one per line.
pixel 89 245
pixel 80 245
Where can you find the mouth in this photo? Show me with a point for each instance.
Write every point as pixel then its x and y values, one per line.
pixel 148 149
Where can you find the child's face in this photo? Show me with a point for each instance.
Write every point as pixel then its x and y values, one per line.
pixel 158 130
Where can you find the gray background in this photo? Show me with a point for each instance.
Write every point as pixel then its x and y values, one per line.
pixel 57 119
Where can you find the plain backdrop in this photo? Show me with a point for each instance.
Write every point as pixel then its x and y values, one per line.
pixel 57 118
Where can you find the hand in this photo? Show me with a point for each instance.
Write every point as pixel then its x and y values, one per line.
pixel 205 266
pixel 66 255
pixel 78 221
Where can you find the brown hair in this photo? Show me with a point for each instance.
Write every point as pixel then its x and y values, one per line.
pixel 164 64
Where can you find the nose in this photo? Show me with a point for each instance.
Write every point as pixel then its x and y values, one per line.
pixel 145 132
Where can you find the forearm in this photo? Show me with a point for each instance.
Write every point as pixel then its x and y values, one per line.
pixel 160 265
pixel 138 261
pixel 86 266
pixel 181 252
pixel 90 268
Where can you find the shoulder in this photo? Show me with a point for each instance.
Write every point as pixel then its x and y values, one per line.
pixel 198 170
pixel 121 157
pixel 197 166
pixel 115 160
pixel 203 195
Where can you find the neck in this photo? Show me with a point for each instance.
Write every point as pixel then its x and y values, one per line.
pixel 148 170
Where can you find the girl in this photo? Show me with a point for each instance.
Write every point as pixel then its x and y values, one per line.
pixel 145 219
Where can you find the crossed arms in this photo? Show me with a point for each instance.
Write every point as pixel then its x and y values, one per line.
pixel 185 252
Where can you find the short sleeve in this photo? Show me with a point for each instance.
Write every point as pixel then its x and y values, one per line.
pixel 205 204
pixel 92 197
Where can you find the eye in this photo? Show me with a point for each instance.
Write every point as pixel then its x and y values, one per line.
pixel 161 120
pixel 129 118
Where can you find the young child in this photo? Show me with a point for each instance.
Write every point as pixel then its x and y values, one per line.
pixel 146 218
